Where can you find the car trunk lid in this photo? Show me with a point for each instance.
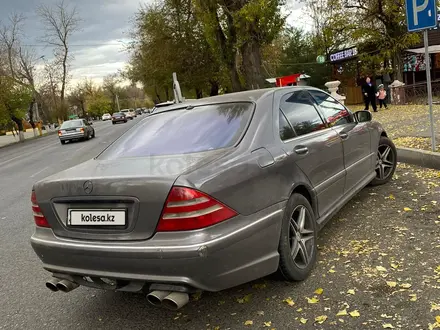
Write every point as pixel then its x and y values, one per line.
pixel 132 190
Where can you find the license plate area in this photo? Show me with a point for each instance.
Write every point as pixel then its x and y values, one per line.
pixel 109 218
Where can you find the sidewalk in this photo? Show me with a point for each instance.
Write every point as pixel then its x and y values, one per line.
pixel 10 139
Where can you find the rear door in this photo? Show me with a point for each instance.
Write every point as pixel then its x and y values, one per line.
pixel 312 146
pixel 356 138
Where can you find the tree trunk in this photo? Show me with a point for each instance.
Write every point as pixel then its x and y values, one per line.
pixel 214 88
pixel 167 93
pixel 398 66
pixel 31 115
pixel 199 93
pixel 19 123
pixel 251 55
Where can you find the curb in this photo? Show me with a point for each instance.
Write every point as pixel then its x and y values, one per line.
pixel 419 157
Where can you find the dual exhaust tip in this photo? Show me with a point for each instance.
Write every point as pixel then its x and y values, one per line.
pixel 170 300
pixel 55 284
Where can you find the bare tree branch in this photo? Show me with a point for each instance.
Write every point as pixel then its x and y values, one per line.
pixel 60 23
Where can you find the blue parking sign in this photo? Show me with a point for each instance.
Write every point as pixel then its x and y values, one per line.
pixel 421 14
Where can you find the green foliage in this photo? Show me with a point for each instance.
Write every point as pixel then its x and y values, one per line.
pixel 14 99
pixel 99 104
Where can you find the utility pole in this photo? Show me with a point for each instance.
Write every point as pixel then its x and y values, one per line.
pixel 117 102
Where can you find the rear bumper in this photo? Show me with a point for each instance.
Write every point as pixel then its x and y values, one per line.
pixel 72 136
pixel 237 251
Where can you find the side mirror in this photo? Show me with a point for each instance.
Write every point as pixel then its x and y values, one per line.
pixel 363 116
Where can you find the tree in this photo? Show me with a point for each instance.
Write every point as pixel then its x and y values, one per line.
pixel 110 86
pixel 169 38
pixel 13 100
pixel 60 22
pixel 239 29
pixel 382 25
pixel 20 61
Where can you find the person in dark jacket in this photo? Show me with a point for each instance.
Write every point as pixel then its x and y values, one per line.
pixel 369 91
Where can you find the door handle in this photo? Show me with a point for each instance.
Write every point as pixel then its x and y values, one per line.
pixel 343 135
pixel 301 150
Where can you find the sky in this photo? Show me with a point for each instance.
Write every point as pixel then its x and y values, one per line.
pixel 98 48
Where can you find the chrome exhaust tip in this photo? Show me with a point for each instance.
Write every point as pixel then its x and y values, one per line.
pixel 175 300
pixel 52 284
pixel 155 297
pixel 66 286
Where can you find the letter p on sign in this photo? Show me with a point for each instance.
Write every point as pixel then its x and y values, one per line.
pixel 421 14
pixel 418 9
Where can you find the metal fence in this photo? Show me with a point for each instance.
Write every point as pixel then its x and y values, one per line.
pixel 416 93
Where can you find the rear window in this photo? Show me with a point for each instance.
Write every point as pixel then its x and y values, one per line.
pixel 202 128
pixel 71 124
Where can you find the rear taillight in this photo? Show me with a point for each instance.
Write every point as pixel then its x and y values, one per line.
pixel 40 219
pixel 59 133
pixel 81 130
pixel 189 209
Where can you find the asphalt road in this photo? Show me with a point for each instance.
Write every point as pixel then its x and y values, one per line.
pixel 378 261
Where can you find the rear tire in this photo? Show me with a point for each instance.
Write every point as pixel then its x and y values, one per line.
pixel 297 246
pixel 113 122
pixel 386 162
pixel 63 141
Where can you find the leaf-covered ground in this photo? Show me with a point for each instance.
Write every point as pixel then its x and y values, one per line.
pixel 408 125
pixel 378 268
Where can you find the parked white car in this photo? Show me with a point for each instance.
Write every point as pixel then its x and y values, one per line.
pixel 106 116
pixel 129 113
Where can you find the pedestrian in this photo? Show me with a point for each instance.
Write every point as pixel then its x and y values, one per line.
pixel 369 91
pixel 381 96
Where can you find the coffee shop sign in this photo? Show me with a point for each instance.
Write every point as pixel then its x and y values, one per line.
pixel 343 54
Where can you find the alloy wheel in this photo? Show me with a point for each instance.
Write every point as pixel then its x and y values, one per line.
pixel 301 237
pixel 385 162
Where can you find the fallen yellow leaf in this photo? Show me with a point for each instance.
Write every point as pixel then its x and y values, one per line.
pixel 435 307
pixel 321 319
pixel 267 324
pixel 249 322
pixel 381 268
pixel 407 209
pixel 391 196
pixel 299 310
pixel 303 320
pixel 245 299
pixel 395 266
pixel 351 291
pixel 289 301
pixel 355 313
pixel 319 291
pixel 342 313
pixel 332 271
pixel 313 300
pixel 405 285
pixel 387 326
pixel 437 319
pixel 413 297
pixel 391 284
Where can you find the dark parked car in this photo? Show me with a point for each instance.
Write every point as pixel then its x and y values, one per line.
pixel 208 195
pixel 76 129
pixel 119 117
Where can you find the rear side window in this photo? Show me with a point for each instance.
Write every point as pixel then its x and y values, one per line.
pixel 334 112
pixel 286 131
pixel 72 124
pixel 202 128
pixel 301 113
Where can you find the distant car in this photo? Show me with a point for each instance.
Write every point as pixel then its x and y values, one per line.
pixel 139 111
pixel 106 116
pixel 129 113
pixel 77 129
pixel 119 117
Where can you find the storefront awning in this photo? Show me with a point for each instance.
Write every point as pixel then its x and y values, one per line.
pixel 432 50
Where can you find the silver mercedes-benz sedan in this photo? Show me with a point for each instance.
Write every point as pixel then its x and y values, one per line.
pixel 209 194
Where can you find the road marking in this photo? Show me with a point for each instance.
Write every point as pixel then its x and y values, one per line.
pixel 42 170
pixel 27 154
